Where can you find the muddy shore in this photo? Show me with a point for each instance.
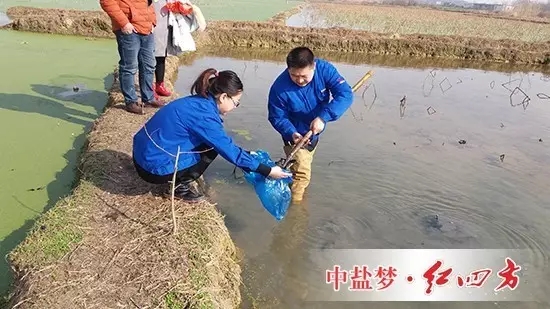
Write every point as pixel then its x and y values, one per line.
pixel 111 242
pixel 274 35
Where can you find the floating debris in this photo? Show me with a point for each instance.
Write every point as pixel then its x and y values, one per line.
pixel 543 96
pixel 445 85
pixel 508 85
pixel 37 189
pixel 402 106
pixel 540 140
pixel 524 101
pixel 76 88
pixel 462 142
pixel 492 84
pixel 502 157
pixel 431 111
pixel 459 81
pixel 502 125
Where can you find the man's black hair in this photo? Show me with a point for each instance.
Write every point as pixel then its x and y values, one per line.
pixel 300 57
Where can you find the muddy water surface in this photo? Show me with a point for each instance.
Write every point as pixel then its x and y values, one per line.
pixel 48 98
pixel 381 175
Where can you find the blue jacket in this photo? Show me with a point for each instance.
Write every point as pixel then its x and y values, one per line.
pixel 187 122
pixel 291 108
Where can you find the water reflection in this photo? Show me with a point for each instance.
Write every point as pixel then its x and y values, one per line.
pixel 382 175
pixel 4 19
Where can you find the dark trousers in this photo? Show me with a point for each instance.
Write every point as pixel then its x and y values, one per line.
pixel 184 176
pixel 159 69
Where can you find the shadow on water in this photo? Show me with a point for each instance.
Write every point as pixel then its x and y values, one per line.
pixel 61 186
pixel 39 105
pixel 65 179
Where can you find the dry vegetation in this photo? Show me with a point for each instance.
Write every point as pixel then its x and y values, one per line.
pixel 416 20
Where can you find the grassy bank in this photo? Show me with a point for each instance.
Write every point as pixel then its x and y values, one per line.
pixel 55 245
pixel 273 35
pixel 44 123
pixel 111 241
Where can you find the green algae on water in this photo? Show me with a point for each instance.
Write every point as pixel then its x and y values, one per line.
pixel 47 124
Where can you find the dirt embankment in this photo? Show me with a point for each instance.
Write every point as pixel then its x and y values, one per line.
pixel 277 36
pixel 110 244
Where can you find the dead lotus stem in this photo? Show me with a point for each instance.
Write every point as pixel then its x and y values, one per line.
pixel 174 190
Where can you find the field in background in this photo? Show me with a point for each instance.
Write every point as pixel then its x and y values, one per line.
pixel 416 20
pixel 253 10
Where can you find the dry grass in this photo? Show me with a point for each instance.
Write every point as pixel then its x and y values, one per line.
pixel 110 244
pixel 416 20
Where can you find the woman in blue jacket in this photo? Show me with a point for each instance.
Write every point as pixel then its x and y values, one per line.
pixel 192 125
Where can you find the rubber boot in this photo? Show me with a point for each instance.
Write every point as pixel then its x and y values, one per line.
pixel 161 90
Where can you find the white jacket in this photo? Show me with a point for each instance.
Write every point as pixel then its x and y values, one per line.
pixel 183 26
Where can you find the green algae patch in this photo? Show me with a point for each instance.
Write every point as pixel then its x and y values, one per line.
pixel 244 133
pixel 52 235
pixel 112 242
pixel 44 123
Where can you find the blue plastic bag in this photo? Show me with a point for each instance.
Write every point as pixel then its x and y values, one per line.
pixel 274 194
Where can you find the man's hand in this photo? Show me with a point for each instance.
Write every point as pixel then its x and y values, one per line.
pixel 128 28
pixel 317 125
pixel 297 137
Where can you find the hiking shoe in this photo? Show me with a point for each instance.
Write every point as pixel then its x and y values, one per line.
pixel 161 90
pixel 155 103
pixel 134 108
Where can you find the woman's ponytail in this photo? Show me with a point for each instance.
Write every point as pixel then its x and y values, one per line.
pixel 210 81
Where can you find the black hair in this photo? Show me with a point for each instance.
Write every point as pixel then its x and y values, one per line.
pixel 300 57
pixel 224 81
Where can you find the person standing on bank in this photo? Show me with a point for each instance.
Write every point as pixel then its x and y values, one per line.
pixel 299 101
pixel 133 22
pixel 193 124
pixel 164 35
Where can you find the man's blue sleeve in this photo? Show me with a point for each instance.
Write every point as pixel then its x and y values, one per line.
pixel 342 94
pixel 211 130
pixel 278 115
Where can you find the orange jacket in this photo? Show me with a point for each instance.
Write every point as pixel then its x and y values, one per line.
pixel 137 12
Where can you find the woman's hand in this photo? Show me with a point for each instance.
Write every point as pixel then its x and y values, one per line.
pixel 278 173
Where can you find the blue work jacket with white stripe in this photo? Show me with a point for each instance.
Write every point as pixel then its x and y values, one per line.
pixel 187 122
pixel 292 108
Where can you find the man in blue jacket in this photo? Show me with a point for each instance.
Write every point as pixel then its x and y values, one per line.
pixel 299 101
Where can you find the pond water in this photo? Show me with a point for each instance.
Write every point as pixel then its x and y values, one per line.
pixel 43 120
pixel 381 176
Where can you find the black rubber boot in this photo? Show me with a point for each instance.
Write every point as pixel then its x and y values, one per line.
pixel 186 193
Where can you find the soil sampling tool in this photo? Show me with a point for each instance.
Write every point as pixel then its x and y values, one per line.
pixel 286 162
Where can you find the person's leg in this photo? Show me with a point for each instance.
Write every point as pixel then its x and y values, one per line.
pixel 186 177
pixel 160 88
pixel 128 49
pixel 159 69
pixel 151 178
pixel 146 63
pixel 301 170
